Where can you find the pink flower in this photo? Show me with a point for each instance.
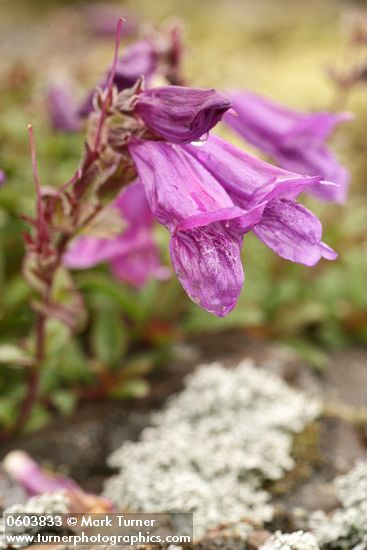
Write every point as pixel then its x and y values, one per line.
pixel 295 140
pixel 133 255
pixel 62 109
pixel 37 481
pixel 180 114
pixel 209 197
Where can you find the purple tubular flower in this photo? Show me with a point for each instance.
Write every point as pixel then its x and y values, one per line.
pixel 36 481
pixel 62 110
pixel 203 220
pixel 133 255
pixel 101 20
pixel 140 59
pixel 2 177
pixel 179 114
pixel 295 140
pixel 285 226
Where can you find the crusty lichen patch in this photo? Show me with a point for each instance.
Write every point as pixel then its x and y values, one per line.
pixel 346 528
pixel 214 447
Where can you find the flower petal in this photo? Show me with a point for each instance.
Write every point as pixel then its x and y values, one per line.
pixel 139 266
pixel 133 205
pixel 86 252
pixel 260 121
pixel 295 140
pixel 179 114
pixel 328 253
pixel 133 255
pixel 207 261
pixel 248 180
pixel 319 161
pixel 139 59
pixel 62 109
pixel 36 481
pixel 314 127
pixel 292 232
pixel 179 188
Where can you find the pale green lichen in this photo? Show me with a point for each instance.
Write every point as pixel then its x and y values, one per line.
pixel 213 446
pixel 51 503
pixel 346 528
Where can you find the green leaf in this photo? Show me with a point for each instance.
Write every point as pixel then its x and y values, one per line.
pixel 8 408
pixel 17 292
pixel 316 357
pixel 130 388
pixel 13 355
pixel 64 401
pixel 68 365
pixel 57 334
pixel 109 337
pixel 39 418
pixel 127 300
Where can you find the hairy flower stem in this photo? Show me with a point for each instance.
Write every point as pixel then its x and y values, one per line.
pixel 33 374
pixel 108 96
pixel 44 244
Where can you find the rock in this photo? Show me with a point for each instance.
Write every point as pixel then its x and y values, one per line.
pixel 346 378
pixel 257 538
pixel 80 445
pixel 10 492
pixel 219 543
pixel 340 445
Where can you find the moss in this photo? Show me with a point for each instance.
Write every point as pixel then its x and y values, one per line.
pixel 307 458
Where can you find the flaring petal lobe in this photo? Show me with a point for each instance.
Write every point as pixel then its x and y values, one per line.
pixel 292 232
pixel 207 261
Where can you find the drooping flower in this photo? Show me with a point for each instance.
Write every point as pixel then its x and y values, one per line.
pixel 138 60
pixel 207 218
pixel 295 140
pixel 38 481
pixel 62 109
pixel 157 55
pixel 288 228
pixel 205 245
pixel 133 256
pixel 2 177
pixel 180 114
pixel 101 18
pixel 32 478
pixel 209 197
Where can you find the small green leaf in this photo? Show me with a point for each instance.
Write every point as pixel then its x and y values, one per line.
pixel 13 355
pixel 93 282
pixel 64 401
pixel 69 365
pixel 8 408
pixel 57 335
pixel 136 387
pixel 39 418
pixel 109 335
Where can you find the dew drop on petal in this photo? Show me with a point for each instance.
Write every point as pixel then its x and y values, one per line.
pixel 201 141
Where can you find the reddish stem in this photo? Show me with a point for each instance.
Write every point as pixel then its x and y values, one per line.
pixel 40 211
pixel 109 87
pixel 60 247
pixel 30 398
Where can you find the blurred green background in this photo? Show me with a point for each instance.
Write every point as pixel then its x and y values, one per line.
pixel 280 48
